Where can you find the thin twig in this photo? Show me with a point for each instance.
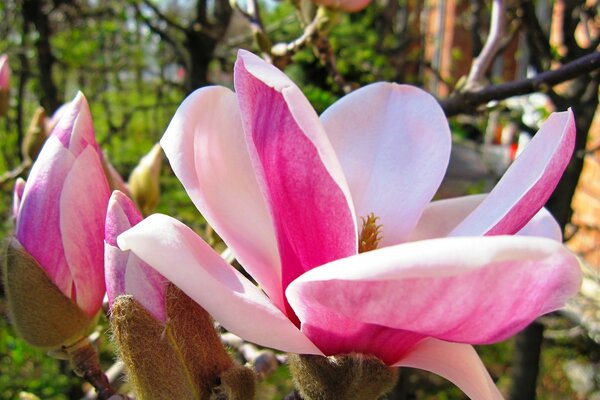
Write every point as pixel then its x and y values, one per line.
pixel 468 101
pixel 168 20
pixel 483 61
pixel 327 57
pixel 14 173
pixel 281 53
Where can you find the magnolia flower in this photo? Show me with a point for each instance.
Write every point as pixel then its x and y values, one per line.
pixel 60 210
pixel 287 192
pixel 126 273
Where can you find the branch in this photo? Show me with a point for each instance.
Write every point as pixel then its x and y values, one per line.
pixel 252 15
pixel 468 101
pixel 162 34
pixel 482 62
pixel 14 173
pixel 168 20
pixel 282 53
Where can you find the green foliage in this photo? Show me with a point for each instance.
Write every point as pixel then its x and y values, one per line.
pixel 24 368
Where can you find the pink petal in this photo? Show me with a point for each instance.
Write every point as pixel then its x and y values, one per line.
pixel 121 215
pixel 115 265
pixel 38 226
pixel 82 216
pixel 58 114
pixel 18 195
pixel 527 184
pixel 344 5
pixel 471 290
pixel 74 129
pixel 4 72
pixel 542 224
pixel 206 148
pixel 296 169
pixel 459 363
pixel 185 259
pixel 442 216
pixel 125 273
pixel 393 142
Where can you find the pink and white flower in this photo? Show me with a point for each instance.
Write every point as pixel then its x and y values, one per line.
pixel 286 189
pixel 60 210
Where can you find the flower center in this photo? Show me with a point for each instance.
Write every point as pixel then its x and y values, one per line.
pixel 370 234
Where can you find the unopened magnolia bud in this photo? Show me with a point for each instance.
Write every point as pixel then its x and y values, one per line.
pixel 144 181
pixel 181 359
pixel 35 136
pixel 154 369
pixel 348 377
pixel 41 314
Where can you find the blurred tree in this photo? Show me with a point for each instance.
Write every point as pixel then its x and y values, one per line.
pixel 193 39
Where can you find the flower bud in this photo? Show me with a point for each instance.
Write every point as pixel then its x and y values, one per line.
pixel 348 377
pixel 125 273
pixel 61 209
pixel 35 136
pixel 180 359
pixel 41 314
pixel 144 180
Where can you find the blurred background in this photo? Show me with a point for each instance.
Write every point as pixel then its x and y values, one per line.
pixel 136 60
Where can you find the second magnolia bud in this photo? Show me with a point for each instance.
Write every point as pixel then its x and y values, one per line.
pixel 180 359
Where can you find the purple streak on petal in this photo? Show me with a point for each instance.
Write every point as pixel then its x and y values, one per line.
pixel 38 221
pixel 313 220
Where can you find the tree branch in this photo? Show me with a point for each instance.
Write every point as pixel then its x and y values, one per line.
pixel 164 35
pixel 470 100
pixel 483 61
pixel 168 20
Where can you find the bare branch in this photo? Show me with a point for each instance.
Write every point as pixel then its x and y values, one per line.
pixel 252 15
pixel 163 34
pixel 469 101
pixel 482 62
pixel 281 53
pixel 168 20
pixel 14 173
